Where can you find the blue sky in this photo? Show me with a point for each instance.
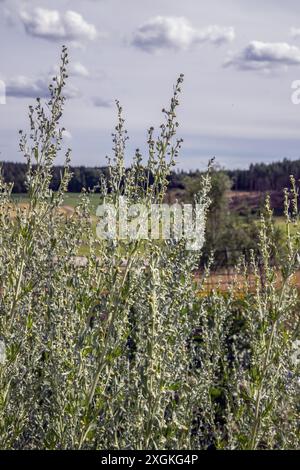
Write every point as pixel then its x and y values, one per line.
pixel 239 58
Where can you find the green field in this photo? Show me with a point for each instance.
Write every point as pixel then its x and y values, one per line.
pixel 73 199
pixel 70 199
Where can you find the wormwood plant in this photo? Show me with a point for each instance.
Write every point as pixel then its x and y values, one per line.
pixel 128 350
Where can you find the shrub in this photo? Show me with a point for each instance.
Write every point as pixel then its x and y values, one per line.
pixel 121 352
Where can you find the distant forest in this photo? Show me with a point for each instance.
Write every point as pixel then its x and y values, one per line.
pixel 258 177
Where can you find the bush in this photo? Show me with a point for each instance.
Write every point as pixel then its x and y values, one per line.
pixel 126 350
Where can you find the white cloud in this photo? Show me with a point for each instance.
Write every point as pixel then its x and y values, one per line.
pixel 265 56
pixel 56 26
pixel 163 32
pixel 27 87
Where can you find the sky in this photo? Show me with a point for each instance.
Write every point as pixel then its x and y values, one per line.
pixel 239 58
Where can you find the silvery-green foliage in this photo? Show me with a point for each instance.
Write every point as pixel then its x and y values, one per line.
pixel 2 352
pixel 127 349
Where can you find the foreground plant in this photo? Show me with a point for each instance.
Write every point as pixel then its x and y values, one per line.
pixel 126 350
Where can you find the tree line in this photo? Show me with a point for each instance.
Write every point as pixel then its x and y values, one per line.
pixel 83 177
pixel 258 177
pixel 265 177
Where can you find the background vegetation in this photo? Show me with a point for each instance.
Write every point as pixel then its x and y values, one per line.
pixel 259 177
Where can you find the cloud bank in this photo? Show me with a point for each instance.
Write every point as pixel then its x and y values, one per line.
pixel 55 26
pixel 167 32
pixel 265 56
pixel 28 87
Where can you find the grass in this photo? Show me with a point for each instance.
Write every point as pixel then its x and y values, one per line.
pixel 70 199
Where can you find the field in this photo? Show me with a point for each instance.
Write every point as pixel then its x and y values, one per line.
pixel 222 279
pixel 71 200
